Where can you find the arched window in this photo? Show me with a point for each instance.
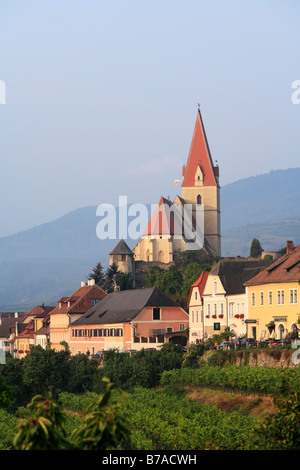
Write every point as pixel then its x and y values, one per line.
pixel 199 199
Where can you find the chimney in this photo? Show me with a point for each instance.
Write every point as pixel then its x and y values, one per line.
pixel 289 246
pixel 91 282
pixel 82 283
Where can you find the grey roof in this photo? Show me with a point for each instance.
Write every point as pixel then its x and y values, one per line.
pixel 234 273
pixel 121 249
pixel 6 324
pixel 124 306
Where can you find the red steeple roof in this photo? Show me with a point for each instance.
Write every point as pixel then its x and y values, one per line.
pixel 199 156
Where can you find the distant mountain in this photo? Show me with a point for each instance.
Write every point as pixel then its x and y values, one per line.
pixel 272 235
pixel 49 261
pixel 272 196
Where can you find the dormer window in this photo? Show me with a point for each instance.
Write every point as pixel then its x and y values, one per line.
pixel 199 177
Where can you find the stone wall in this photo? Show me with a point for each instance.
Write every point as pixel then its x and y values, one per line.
pixel 265 358
pixel 252 357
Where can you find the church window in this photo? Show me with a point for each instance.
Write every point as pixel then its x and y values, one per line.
pixel 199 199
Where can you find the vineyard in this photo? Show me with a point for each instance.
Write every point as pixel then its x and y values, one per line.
pixel 165 417
pixel 242 379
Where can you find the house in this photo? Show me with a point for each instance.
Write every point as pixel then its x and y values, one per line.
pixel 24 338
pixel 71 308
pixel 193 215
pixel 42 329
pixel 273 297
pixel 195 305
pixel 130 319
pixel 224 295
pixel 7 327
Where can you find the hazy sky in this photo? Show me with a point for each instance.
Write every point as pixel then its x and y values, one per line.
pixel 101 98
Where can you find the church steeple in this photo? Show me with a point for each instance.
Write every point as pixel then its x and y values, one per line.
pixel 199 169
pixel 200 184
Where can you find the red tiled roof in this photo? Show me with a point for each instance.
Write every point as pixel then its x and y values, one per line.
pixel 163 221
pixel 199 155
pixel 78 300
pixel 285 269
pixel 200 283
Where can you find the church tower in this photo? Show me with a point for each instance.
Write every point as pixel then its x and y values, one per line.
pixel 200 185
pixel 165 235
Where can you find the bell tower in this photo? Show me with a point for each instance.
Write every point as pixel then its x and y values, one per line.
pixel 200 185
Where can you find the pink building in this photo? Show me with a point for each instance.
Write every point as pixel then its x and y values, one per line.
pixel 130 319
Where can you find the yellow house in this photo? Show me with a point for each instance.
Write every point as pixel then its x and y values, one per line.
pixel 273 298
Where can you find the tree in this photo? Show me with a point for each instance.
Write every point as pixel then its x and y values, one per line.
pixel 110 278
pixel 46 369
pixel 98 275
pixel 191 274
pixel 256 248
pixel 43 426
pixel 124 280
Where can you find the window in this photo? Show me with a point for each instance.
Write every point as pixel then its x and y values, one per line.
pixel 261 298
pixel 231 309
pixel 215 309
pixel 156 313
pixel 253 299
pixel 270 297
pixel 193 319
pixel 199 199
pixel 242 308
pixel 196 316
pixel 182 327
pixel 222 309
pixel 280 297
pixel 215 285
pixel 195 295
pixel 208 309
pixel 169 330
pixel 293 296
pixel 94 302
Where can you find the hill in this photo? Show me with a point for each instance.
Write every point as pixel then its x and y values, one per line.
pixel 261 198
pixel 49 261
pixel 271 234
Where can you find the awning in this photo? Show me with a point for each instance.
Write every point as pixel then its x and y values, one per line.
pixel 271 325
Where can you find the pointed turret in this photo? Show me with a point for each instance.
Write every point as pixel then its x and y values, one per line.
pixel 200 185
pixel 199 169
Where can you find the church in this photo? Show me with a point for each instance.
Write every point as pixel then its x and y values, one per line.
pixel 172 227
pixel 166 232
